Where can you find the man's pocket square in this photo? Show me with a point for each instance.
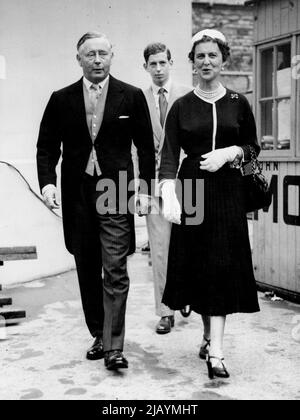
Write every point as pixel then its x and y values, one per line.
pixel 123 117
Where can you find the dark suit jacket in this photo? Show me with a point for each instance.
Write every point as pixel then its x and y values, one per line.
pixel 64 124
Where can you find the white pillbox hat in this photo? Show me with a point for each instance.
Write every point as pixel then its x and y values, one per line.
pixel 212 33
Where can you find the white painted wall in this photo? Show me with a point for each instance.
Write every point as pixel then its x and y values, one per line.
pixel 26 221
pixel 37 56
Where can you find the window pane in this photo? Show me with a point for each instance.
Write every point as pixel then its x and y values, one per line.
pixel 267 141
pixel 284 75
pixel 284 56
pixel 267 73
pixel 284 124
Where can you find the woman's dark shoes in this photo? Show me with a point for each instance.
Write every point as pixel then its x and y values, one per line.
pixel 96 352
pixel 218 370
pixel 203 353
pixel 165 325
pixel 115 360
pixel 186 311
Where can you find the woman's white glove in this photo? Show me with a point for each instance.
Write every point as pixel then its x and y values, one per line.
pixel 171 207
pixel 217 158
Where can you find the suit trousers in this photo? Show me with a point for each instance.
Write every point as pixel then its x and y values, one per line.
pixel 159 232
pixel 101 247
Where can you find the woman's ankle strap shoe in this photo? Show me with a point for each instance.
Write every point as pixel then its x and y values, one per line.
pixel 204 349
pixel 216 371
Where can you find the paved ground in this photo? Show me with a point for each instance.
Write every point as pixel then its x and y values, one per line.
pixel 44 357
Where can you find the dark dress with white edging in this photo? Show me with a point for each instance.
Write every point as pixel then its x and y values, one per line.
pixel 210 263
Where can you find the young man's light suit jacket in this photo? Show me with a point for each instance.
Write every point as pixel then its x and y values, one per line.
pixel 176 91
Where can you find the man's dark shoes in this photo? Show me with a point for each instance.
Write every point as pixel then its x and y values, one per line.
pixel 96 352
pixel 115 360
pixel 165 325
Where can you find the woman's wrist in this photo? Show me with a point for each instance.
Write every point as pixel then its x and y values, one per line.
pixel 239 158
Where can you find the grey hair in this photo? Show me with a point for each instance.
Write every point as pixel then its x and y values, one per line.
pixel 91 35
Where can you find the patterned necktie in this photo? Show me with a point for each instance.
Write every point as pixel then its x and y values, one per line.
pixel 95 92
pixel 93 164
pixel 163 105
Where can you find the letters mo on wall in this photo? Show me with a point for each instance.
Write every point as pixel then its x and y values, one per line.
pixel 285 188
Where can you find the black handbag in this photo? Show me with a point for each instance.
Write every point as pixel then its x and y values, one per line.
pixel 258 194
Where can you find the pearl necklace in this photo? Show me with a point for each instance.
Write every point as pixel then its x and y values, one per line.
pixel 209 95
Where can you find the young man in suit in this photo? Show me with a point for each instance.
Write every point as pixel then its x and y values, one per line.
pixel 95 121
pixel 160 97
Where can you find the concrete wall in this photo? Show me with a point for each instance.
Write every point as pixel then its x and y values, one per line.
pixel 26 221
pixel 37 56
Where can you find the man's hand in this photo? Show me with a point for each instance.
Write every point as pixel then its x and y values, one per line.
pixel 50 196
pixel 171 207
pixel 143 205
pixel 217 158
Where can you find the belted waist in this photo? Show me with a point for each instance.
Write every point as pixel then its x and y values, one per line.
pixel 194 157
pixel 192 163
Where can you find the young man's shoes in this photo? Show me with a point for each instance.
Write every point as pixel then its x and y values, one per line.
pixel 165 325
pixel 146 248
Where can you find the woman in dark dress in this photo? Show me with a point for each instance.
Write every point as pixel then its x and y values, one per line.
pixel 210 265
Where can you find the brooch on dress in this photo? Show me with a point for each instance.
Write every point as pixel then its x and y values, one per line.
pixel 234 96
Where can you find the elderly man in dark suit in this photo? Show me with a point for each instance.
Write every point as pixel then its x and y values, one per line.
pixel 95 121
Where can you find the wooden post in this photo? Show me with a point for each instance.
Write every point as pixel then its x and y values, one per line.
pixel 9 314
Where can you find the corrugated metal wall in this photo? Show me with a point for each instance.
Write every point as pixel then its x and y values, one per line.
pixel 276 233
pixel 276 253
pixel 276 18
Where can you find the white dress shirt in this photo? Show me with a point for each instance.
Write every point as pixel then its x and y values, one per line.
pixel 155 90
pixel 88 84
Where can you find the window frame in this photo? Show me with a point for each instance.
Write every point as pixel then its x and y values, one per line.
pixel 295 125
pixel 296 87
